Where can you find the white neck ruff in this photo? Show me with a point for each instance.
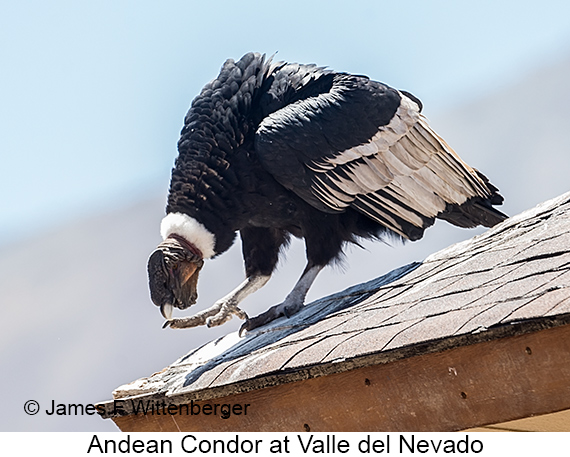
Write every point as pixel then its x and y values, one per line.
pixel 191 230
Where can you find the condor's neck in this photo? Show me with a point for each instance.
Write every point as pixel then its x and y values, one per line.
pixel 191 231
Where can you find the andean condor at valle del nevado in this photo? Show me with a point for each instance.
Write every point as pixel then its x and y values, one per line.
pixel 272 149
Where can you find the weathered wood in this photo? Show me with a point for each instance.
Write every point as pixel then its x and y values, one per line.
pixel 470 386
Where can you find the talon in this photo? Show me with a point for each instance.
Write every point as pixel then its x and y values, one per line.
pixel 255 322
pixel 167 323
pixel 244 326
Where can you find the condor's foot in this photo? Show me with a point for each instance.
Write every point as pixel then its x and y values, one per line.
pixel 217 314
pixel 223 310
pixel 286 309
pixel 292 304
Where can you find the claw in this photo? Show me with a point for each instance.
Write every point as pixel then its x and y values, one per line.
pixel 223 310
pixel 286 309
pixel 244 327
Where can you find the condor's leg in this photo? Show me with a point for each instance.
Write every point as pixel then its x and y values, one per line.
pixel 324 238
pixel 260 248
pixel 292 303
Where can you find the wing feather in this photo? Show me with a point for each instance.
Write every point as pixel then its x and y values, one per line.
pixel 401 151
pixel 379 214
pixel 380 169
pixel 408 161
pixel 422 197
pixel 403 176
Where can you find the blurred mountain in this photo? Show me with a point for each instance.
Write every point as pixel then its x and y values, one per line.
pixel 77 319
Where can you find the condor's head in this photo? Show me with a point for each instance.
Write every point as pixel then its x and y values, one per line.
pixel 174 266
pixel 173 270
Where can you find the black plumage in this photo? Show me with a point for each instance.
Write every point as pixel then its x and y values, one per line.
pixel 271 150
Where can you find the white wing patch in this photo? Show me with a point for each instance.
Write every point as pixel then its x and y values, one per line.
pixel 405 170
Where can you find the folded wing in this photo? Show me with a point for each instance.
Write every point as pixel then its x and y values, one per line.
pixel 366 146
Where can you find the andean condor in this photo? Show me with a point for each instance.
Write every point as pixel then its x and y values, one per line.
pixel 277 149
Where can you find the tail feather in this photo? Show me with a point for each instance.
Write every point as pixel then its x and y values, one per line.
pixel 472 213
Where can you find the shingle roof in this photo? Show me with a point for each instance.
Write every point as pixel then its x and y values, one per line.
pixel 512 279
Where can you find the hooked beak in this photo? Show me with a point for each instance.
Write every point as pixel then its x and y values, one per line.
pixel 166 310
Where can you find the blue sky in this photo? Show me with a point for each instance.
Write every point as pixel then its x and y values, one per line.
pixel 93 93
